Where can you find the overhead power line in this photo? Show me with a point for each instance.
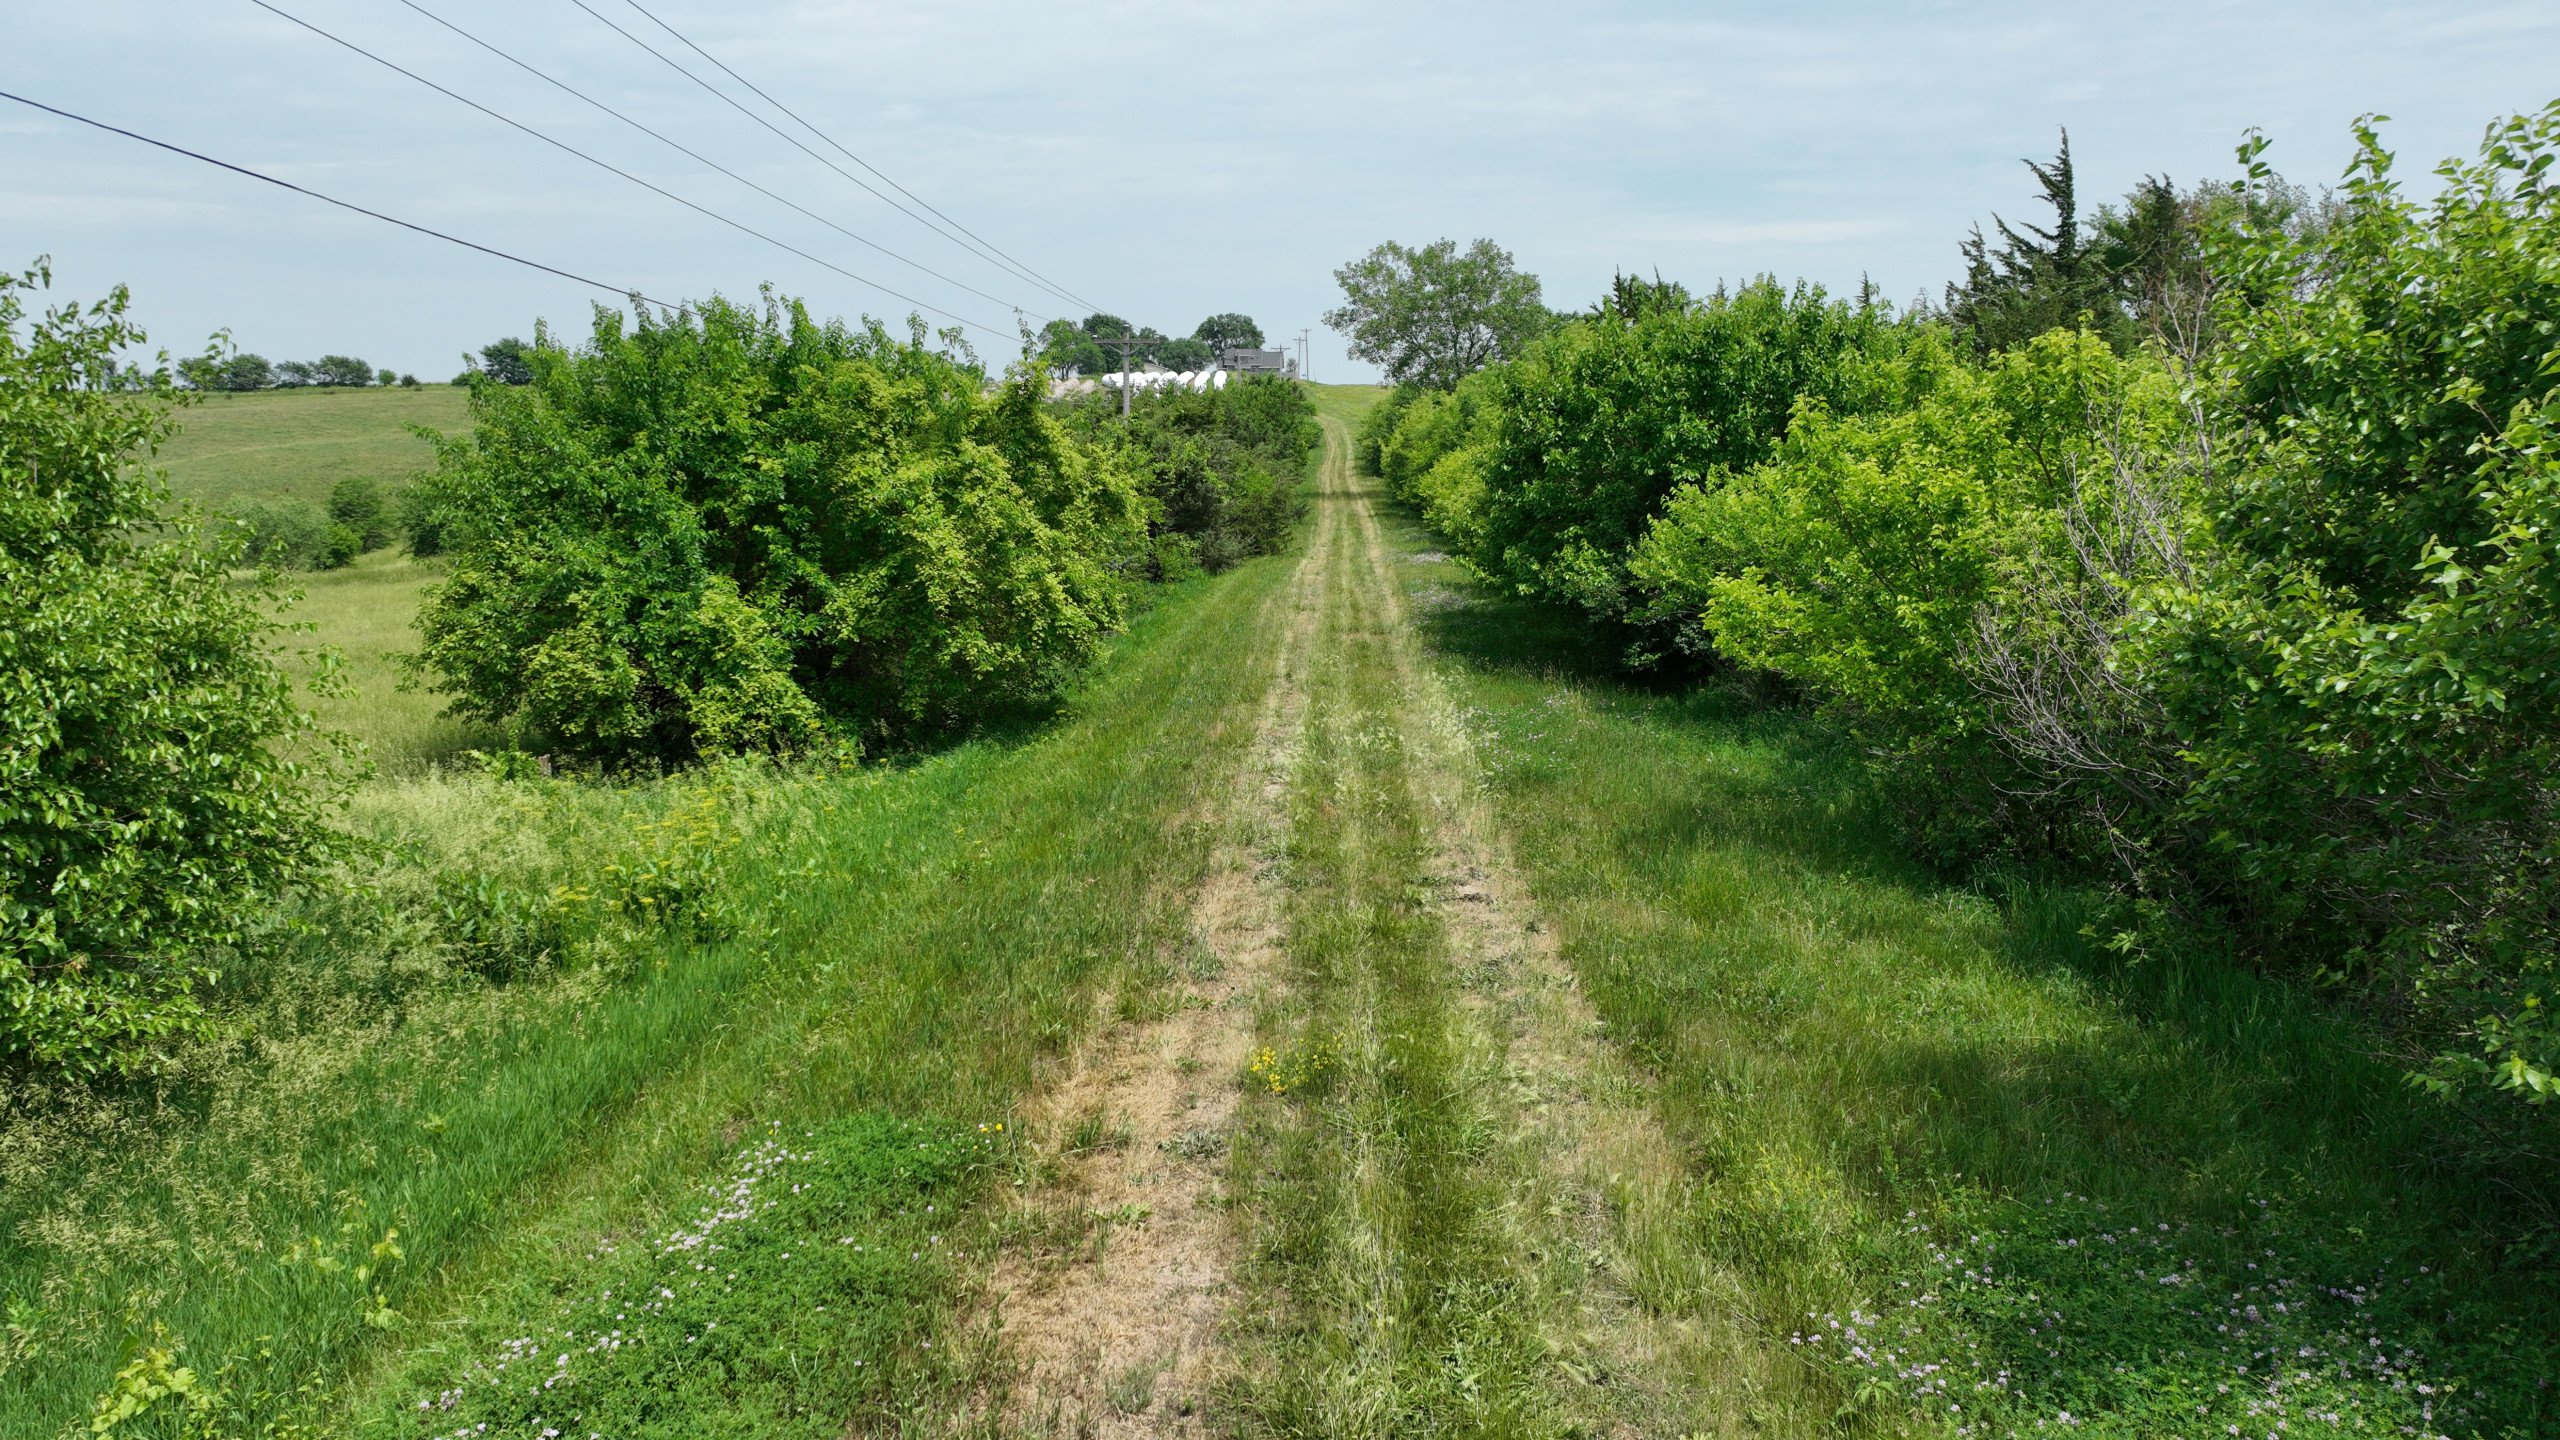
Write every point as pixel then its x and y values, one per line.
pixel 569 149
pixel 839 148
pixel 698 156
pixel 1018 270
pixel 333 200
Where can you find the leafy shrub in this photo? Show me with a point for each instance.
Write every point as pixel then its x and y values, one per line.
pixel 1859 560
pixel 1222 466
pixel 421 513
pixel 2367 678
pixel 501 927
pixel 1435 455
pixel 732 530
pixel 1602 419
pixel 295 535
pixel 360 505
pixel 155 780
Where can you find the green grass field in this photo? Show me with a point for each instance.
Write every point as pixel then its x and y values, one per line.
pixel 1357 1013
pixel 295 444
pixel 366 612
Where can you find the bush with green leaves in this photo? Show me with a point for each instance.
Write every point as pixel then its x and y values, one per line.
pixel 2366 680
pixel 1222 466
pixel 363 507
pixel 735 529
pixel 1859 562
pixel 292 534
pixel 1601 420
pixel 157 778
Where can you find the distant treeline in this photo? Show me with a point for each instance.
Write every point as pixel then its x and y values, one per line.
pixel 246 371
pixel 1077 344
pixel 2203 544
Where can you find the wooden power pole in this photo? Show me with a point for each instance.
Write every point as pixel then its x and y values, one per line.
pixel 1128 346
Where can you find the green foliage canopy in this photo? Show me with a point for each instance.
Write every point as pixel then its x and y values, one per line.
pixel 2368 683
pixel 1603 419
pixel 157 780
pixel 1434 315
pixel 731 529
pixel 1221 466
pixel 1223 331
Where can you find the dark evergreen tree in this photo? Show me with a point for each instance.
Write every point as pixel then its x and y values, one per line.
pixel 2040 278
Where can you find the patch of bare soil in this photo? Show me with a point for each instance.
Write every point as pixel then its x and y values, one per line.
pixel 1113 1283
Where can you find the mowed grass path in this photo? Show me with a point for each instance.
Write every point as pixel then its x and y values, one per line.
pixel 295 444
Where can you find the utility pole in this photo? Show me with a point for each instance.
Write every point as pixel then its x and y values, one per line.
pixel 1128 346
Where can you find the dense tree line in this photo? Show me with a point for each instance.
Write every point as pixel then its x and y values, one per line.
pixel 2205 543
pixel 243 370
pixel 1076 345
pixel 729 530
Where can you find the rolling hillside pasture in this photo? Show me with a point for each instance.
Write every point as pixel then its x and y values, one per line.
pixel 295 444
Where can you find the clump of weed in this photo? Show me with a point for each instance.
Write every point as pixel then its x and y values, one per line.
pixel 1296 1068
pixel 803 1295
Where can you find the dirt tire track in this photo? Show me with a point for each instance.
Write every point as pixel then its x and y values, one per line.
pixel 1141 1289
pixel 1618 1180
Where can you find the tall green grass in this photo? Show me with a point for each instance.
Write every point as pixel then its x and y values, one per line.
pixel 295 444
pixel 914 941
pixel 367 614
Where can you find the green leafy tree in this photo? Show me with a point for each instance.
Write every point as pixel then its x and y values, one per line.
pixel 1185 355
pixel 408 382
pixel 156 784
pixel 344 370
pixel 1230 330
pixel 360 504
pixel 1435 315
pixel 1601 420
pixel 508 361
pixel 386 378
pixel 737 530
pixel 2367 681
pixel 246 371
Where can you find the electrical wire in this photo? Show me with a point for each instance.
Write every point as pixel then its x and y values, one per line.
pixel 333 200
pixel 567 148
pixel 839 148
pixel 724 98
pixel 696 155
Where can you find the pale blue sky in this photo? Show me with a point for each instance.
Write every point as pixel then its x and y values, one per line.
pixel 1162 159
